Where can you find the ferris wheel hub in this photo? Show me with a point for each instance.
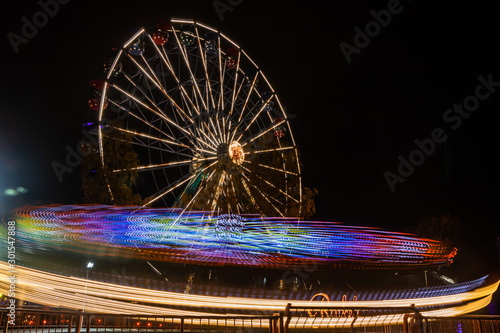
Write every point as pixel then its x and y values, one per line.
pixel 233 152
pixel 236 153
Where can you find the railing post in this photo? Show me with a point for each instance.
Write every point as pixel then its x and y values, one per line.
pixel 89 320
pixel 405 323
pixel 6 323
pixel 182 325
pixel 277 317
pixel 284 326
pixel 80 323
pixel 352 324
pixel 69 325
pixel 417 320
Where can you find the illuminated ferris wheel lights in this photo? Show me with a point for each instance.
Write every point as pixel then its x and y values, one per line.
pixel 179 94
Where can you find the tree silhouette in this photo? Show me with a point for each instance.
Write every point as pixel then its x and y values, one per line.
pixel 111 183
pixel 444 227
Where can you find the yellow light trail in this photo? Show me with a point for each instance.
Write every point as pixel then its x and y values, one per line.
pixel 67 291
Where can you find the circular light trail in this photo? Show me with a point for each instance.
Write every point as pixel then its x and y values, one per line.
pixel 173 235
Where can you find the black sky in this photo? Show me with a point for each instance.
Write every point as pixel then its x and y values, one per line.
pixel 352 120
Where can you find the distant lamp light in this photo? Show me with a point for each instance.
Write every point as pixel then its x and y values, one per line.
pixel 10 192
pixel 90 264
pixel 21 189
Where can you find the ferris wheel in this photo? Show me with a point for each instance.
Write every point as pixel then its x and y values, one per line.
pixel 201 125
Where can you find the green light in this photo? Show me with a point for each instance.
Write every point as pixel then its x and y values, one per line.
pixel 21 189
pixel 10 192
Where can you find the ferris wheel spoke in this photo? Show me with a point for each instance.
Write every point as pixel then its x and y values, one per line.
pixel 159 114
pixel 221 75
pixel 151 70
pixel 196 98
pixel 277 169
pixel 240 117
pixel 168 64
pixel 236 192
pixel 213 144
pixel 271 184
pixel 248 95
pixel 235 96
pixel 144 94
pixel 258 135
pixel 203 56
pixel 180 182
pixel 186 61
pixel 284 166
pixel 248 192
pixel 144 135
pixel 206 144
pixel 233 100
pixel 140 143
pixel 218 189
pixel 214 137
pixel 266 198
pixel 221 137
pixel 176 107
pixel 157 129
pixel 163 150
pixel 165 165
pixel 253 119
pixel 272 150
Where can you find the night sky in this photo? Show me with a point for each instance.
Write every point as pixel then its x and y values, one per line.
pixel 352 120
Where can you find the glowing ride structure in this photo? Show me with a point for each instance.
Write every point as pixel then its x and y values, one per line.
pixel 178 236
pixel 206 124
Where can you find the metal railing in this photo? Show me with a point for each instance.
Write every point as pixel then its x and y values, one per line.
pixel 483 324
pixel 349 318
pixel 293 319
pixel 33 321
